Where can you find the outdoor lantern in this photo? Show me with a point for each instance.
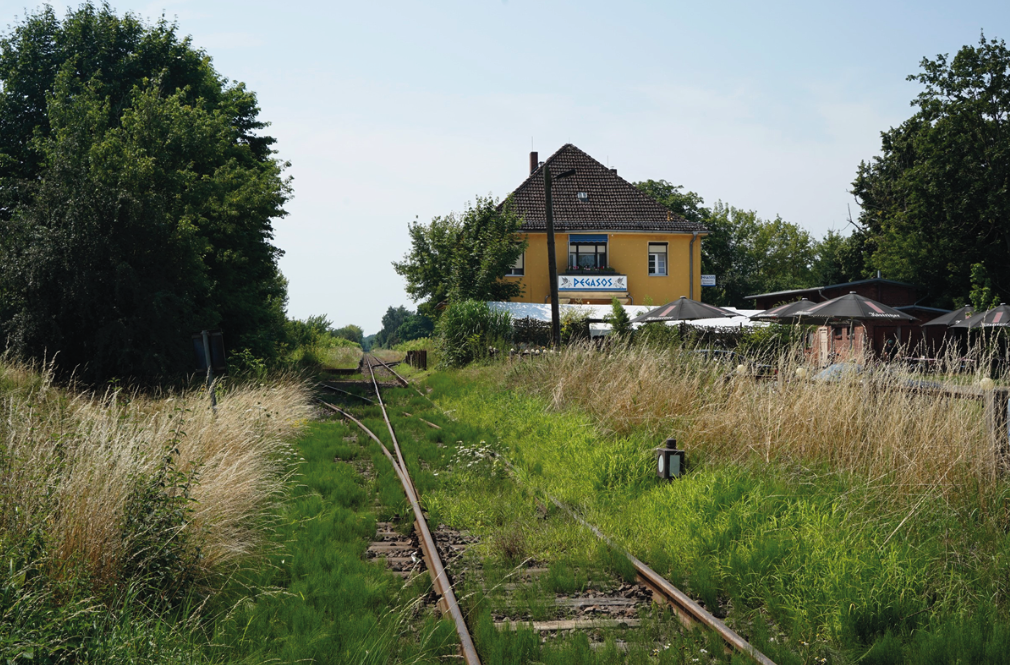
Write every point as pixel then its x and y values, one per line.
pixel 669 460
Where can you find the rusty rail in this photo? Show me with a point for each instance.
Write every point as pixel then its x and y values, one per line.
pixel 439 577
pixel 688 612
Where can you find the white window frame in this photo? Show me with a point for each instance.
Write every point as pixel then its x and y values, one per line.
pixel 657 269
pixel 518 268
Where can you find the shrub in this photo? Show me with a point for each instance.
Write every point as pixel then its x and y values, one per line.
pixel 468 330
pixel 620 322
pixel 574 327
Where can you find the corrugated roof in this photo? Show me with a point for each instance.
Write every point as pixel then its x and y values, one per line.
pixel 611 203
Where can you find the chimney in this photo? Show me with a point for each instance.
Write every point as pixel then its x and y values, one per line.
pixel 614 171
pixel 533 161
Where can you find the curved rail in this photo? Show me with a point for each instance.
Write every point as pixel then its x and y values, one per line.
pixel 440 579
pixel 687 610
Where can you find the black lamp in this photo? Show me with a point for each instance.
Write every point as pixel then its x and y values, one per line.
pixel 669 461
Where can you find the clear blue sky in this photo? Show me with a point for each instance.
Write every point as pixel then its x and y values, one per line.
pixel 395 110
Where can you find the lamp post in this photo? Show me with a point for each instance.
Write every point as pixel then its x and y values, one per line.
pixel 552 259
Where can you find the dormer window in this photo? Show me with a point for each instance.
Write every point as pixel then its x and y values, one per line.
pixel 582 197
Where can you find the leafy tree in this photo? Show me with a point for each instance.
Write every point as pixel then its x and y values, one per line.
pixel 937 200
pixel 415 326
pixel 463 257
pixel 135 198
pixel 309 331
pixel 688 205
pixel 839 258
pixel 982 295
pixel 391 322
pixel 351 332
pixel 752 255
pixel 747 254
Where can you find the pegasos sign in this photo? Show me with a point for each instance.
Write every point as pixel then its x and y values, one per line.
pixel 594 283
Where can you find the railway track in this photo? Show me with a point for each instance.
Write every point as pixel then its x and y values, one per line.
pixel 688 612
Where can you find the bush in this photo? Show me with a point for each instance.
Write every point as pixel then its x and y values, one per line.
pixel 574 327
pixel 620 322
pixel 468 330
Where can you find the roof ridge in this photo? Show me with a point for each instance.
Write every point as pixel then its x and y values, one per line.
pixel 613 201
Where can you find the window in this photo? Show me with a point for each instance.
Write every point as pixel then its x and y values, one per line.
pixel 582 196
pixel 657 258
pixel 518 268
pixel 583 254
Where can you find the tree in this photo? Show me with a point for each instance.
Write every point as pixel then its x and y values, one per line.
pixel 747 254
pixel 937 199
pixel 463 257
pixel 391 322
pixel 839 258
pixel 688 205
pixel 351 332
pixel 136 199
pixel 416 326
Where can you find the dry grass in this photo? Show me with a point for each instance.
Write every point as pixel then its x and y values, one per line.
pixel 69 465
pixel 867 424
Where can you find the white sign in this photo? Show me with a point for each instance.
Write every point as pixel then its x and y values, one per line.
pixel 592 282
pixel 708 280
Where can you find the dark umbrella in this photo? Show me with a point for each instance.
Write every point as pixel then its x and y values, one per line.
pixel 683 309
pixel 791 311
pixel 951 318
pixel 855 307
pixel 997 317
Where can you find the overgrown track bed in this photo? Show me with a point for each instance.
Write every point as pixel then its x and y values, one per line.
pixel 604 605
pixel 440 579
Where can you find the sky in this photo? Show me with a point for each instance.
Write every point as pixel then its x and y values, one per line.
pixel 391 112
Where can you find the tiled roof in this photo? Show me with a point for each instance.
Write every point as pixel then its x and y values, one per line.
pixel 613 203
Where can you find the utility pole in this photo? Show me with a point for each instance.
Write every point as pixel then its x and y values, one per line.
pixel 552 262
pixel 552 258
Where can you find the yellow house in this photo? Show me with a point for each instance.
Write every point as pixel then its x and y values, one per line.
pixel 610 239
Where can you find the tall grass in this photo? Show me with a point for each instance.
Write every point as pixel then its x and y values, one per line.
pixel 114 492
pixel 866 423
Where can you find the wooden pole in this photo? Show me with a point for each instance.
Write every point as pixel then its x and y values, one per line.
pixel 552 262
pixel 997 406
pixel 210 370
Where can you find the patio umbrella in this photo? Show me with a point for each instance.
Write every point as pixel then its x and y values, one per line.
pixel 951 318
pixel 997 317
pixel 790 312
pixel 683 309
pixel 855 307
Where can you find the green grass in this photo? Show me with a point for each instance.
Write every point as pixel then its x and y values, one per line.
pixel 319 600
pixel 463 486
pixel 806 563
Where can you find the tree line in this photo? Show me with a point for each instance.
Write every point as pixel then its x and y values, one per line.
pixel 934 211
pixel 137 196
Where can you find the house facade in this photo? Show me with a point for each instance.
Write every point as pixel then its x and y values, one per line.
pixel 610 239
